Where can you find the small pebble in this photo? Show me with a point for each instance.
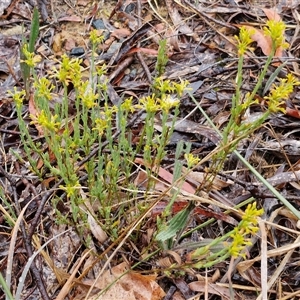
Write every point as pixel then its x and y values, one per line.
pixel 98 24
pixel 77 51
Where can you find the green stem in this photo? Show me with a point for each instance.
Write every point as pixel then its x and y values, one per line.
pixel 247 164
pixel 262 74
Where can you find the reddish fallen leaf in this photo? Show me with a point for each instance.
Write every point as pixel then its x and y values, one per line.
pixel 121 33
pixel 46 182
pixel 271 14
pixel 292 112
pixel 263 41
pixel 34 112
pixel 141 180
pixel 82 3
pixel 167 176
pixel 70 19
pixel 129 43
pixel 143 50
pixel 69 44
pixel 198 211
pixel 116 8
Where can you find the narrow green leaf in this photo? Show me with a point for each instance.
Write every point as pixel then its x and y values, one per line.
pixel 177 223
pixel 272 78
pixel 34 30
pixel 162 58
pixel 6 289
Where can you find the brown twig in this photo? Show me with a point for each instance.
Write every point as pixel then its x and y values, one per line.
pixel 204 16
pixel 124 64
pixel 9 9
pixel 139 55
pixel 26 239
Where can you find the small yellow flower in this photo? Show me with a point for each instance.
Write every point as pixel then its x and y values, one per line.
pixel 149 103
pixel 86 94
pixel 281 92
pixel 102 71
pixel 18 97
pixel 44 87
pixel 181 87
pixel 70 188
pixel 238 244
pixel 275 30
pixel 168 102
pixel 250 216
pixel 109 111
pixel 244 40
pixel 164 86
pixel 100 125
pixel 95 38
pixel 31 59
pixel 69 71
pixel 248 226
pixel 127 105
pixel 191 160
pixel 45 122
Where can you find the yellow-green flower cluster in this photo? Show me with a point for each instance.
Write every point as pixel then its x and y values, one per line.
pixel 95 38
pixel 181 87
pixel 149 103
pixel 191 160
pixel 247 227
pixel 30 58
pixel 238 244
pixel 164 86
pixel 100 125
pixel 127 105
pixel 102 71
pixel 46 122
pixel 244 40
pixel 87 96
pixel 281 92
pixel 165 96
pixel 250 219
pixel 70 71
pixel 70 188
pixel 168 102
pixel 18 97
pixel 104 120
pixel 152 104
pixel 275 30
pixel 247 102
pixel 109 111
pixel 167 86
pixel 44 87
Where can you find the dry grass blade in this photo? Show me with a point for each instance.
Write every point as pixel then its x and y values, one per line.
pixel 68 285
pixel 60 274
pixel 243 266
pixel 28 264
pixel 12 246
pixel 264 261
pixel 108 261
pixel 279 269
